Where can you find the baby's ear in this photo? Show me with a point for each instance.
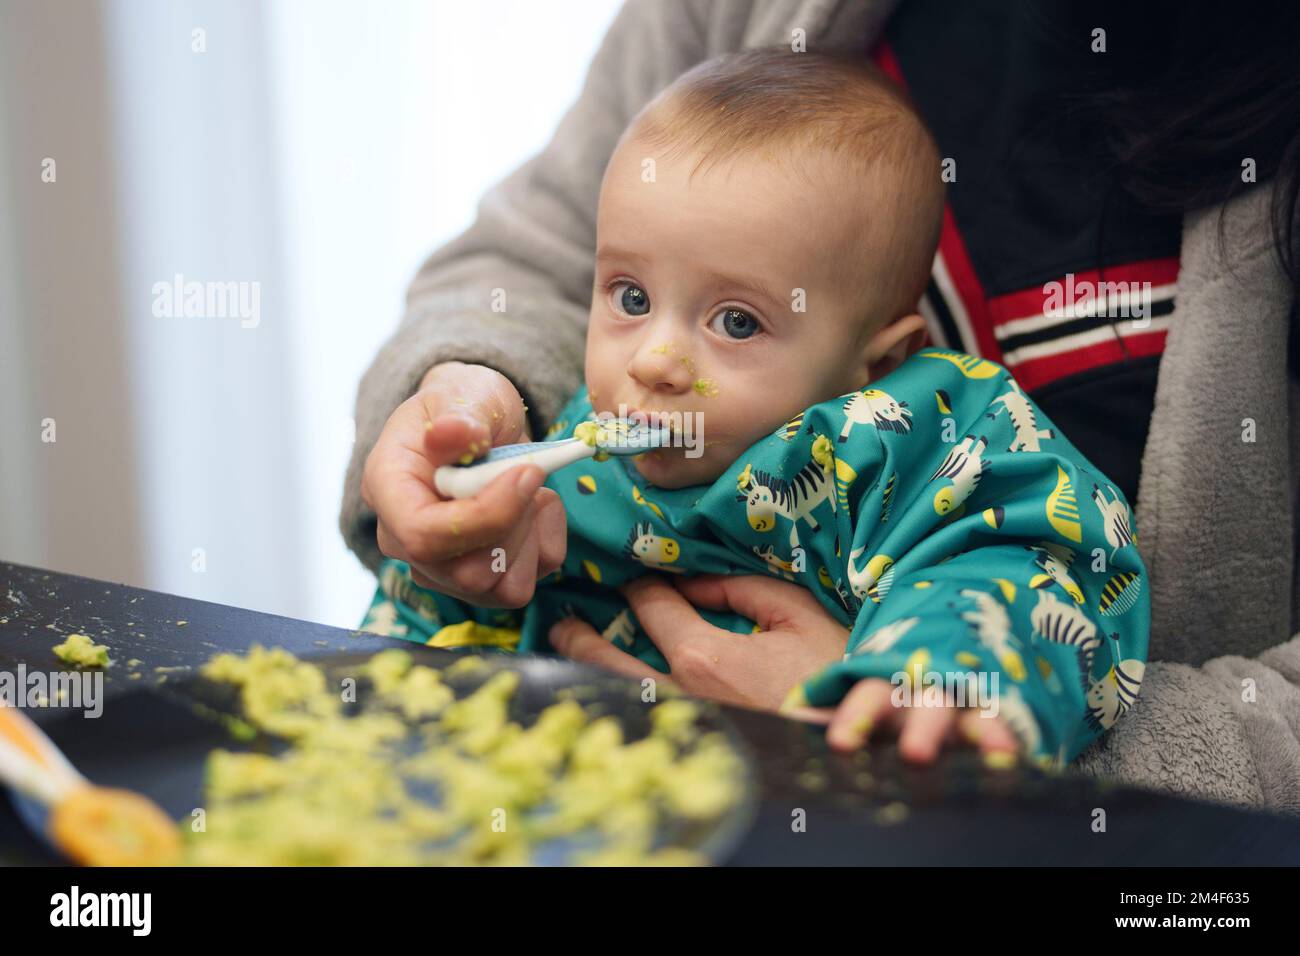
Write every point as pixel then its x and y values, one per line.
pixel 893 344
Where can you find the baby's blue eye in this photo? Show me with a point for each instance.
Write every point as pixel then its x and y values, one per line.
pixel 737 324
pixel 634 300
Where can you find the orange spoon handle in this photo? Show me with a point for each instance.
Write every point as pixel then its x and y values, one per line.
pixel 29 760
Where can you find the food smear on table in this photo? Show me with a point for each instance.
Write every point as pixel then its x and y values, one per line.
pixel 417 771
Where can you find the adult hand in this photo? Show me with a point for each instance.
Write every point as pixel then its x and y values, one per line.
pixel 463 409
pixel 797 637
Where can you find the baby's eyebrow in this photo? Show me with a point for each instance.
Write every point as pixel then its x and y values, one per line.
pixel 752 286
pixel 611 252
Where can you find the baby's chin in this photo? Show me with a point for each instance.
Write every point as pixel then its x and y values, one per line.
pixel 670 468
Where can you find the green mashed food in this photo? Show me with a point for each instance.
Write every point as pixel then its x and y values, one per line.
pixel 419 775
pixel 80 650
pixel 593 433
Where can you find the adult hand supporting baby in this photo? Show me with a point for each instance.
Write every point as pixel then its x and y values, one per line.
pixel 797 638
pixel 449 543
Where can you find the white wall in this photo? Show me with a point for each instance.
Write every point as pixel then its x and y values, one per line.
pixel 319 150
pixel 69 492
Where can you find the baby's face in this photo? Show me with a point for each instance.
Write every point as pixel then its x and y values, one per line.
pixel 725 298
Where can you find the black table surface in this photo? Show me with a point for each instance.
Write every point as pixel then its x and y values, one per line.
pixel 814 807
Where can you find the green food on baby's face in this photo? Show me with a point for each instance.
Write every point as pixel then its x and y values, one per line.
pixel 419 775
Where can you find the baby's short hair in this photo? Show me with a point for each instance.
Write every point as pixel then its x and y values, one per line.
pixel 778 103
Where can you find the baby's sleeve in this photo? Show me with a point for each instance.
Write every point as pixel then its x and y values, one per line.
pixel 1005 572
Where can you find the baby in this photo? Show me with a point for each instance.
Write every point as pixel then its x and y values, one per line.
pixel 765 230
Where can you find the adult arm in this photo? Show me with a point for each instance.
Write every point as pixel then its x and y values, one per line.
pixel 1219 714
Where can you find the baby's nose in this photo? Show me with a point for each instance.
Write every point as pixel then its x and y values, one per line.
pixel 661 365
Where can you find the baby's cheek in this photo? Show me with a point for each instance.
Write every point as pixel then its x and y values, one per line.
pixel 599 359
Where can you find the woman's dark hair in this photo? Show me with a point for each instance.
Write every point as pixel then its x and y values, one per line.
pixel 1193 90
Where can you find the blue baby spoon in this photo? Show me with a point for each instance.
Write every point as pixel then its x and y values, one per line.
pixel 618 436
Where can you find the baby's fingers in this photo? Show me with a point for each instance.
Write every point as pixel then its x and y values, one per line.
pixel 864 708
pixel 924 731
pixel 990 734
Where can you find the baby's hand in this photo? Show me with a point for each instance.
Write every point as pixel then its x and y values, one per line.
pixel 922 730
pixel 463 410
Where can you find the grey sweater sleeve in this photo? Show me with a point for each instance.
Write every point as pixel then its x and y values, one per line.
pixel 534 241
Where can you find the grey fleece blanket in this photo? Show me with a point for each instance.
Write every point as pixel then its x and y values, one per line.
pixel 1219 713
